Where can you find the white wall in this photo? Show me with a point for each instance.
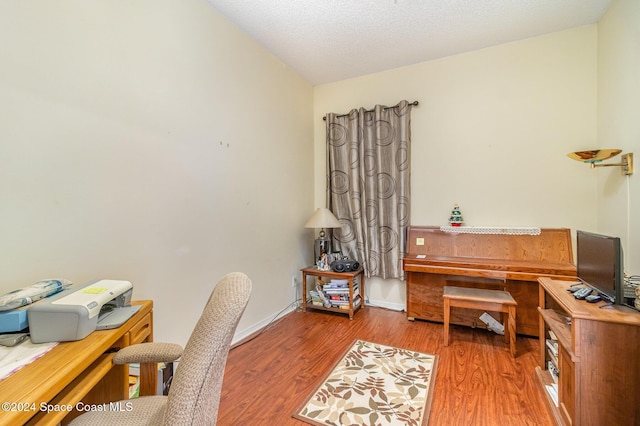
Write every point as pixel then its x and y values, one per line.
pixel 618 126
pixel 151 141
pixel 491 133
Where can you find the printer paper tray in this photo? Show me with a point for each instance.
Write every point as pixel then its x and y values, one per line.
pixel 116 317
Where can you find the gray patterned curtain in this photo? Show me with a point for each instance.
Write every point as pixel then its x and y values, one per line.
pixel 368 185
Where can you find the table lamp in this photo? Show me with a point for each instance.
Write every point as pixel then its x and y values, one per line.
pixel 322 218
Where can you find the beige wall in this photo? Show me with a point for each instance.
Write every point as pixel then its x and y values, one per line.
pixel 126 151
pixel 618 126
pixel 151 141
pixel 491 133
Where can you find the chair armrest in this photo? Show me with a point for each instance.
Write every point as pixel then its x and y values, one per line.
pixel 148 352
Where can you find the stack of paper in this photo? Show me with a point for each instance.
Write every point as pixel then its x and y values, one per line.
pixel 14 358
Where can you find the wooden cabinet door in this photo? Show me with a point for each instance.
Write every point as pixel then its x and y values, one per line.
pixel 566 387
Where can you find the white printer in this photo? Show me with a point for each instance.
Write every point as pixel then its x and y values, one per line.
pixel 75 313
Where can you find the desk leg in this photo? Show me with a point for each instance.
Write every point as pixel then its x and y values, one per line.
pixel 148 379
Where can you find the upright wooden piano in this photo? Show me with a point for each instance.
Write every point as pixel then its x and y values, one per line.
pixel 514 263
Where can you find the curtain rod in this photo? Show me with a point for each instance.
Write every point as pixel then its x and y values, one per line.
pixel 414 103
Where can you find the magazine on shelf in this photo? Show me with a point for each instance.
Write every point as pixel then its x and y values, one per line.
pixel 344 291
pixel 315 298
pixel 552 390
pixel 553 370
pixel 325 301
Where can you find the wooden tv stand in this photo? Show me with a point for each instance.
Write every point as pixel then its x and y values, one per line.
pixel 510 263
pixel 597 358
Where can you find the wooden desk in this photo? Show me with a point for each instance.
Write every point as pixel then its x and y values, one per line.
pixel 78 371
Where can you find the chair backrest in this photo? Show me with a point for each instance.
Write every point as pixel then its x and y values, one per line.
pixel 194 395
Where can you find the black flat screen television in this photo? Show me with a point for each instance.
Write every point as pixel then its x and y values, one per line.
pixel 599 264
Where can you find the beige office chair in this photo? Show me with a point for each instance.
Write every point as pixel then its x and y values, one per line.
pixel 194 394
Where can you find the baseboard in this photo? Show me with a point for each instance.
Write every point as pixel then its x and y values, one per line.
pixel 249 331
pixel 387 305
pixel 243 334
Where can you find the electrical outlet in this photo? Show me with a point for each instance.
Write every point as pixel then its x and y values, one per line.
pixel 294 290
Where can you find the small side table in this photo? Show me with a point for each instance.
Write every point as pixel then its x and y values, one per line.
pixel 356 299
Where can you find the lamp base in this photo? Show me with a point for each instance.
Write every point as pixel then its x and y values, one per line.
pixel 321 250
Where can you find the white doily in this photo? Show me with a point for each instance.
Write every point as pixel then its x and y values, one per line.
pixel 491 230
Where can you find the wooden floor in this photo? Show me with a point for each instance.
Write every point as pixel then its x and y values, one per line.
pixel 477 380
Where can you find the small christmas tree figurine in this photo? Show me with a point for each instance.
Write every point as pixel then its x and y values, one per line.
pixel 456 218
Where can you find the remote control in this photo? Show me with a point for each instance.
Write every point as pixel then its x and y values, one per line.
pixel 593 298
pixel 582 293
pixel 12 339
pixel 573 288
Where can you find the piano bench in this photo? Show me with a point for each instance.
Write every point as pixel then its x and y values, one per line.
pixel 484 299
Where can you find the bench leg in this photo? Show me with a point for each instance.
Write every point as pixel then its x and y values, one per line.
pixel 446 321
pixel 505 323
pixel 512 330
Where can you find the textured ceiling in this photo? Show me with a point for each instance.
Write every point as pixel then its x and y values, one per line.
pixel 331 40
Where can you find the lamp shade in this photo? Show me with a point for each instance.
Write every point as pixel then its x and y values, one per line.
pixel 594 155
pixel 323 218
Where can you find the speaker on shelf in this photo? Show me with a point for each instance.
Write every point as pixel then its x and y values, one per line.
pixel 345 265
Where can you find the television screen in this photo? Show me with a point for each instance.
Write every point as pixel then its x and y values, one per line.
pixel 599 264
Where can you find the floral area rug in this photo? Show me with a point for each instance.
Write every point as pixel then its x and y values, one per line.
pixel 374 384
